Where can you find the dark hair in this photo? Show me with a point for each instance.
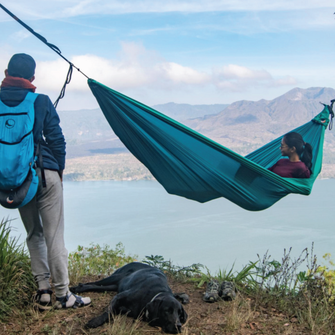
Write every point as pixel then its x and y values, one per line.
pixel 304 150
pixel 22 66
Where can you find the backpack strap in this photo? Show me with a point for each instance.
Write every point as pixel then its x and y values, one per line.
pixel 40 162
pixel 38 154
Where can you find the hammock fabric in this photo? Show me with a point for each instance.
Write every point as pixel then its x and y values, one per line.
pixel 191 165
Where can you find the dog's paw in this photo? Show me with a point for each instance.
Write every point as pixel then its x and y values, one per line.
pixel 98 321
pixel 92 323
pixel 182 297
pixel 76 289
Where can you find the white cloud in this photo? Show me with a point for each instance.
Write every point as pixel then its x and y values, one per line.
pixel 5 55
pixel 182 74
pixel 285 81
pixel 135 67
pixel 232 71
pixel 237 78
pixel 139 68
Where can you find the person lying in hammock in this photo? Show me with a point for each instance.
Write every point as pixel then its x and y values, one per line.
pixel 299 153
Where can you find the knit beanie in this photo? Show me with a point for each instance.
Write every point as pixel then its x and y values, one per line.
pixel 22 66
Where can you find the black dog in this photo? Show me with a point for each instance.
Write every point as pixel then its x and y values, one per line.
pixel 143 291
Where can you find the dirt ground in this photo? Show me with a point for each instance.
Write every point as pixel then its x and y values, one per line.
pixel 239 317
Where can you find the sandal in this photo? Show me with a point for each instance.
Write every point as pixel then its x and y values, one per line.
pixel 71 300
pixel 42 299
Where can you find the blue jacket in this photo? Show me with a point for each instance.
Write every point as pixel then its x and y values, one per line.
pixel 46 124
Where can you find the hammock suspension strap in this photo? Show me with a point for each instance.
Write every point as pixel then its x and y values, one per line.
pixel 67 81
pixel 52 47
pixel 331 113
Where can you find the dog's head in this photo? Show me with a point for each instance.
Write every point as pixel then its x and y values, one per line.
pixel 166 312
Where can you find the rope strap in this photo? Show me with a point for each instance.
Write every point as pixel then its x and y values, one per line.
pixel 67 81
pixel 52 47
pixel 331 113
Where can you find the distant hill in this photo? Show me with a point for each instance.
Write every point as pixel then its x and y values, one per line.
pixel 249 124
pixel 181 112
pixel 87 132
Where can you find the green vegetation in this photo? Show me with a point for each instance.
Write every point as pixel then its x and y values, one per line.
pixel 16 281
pixel 96 260
pixel 282 278
pixel 282 286
pixel 307 296
pixel 179 272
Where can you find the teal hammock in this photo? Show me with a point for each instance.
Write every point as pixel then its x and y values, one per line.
pixel 191 165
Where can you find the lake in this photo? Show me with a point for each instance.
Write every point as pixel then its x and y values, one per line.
pixel 217 234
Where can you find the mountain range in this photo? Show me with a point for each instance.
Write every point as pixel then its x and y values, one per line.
pixel 243 125
pixel 250 124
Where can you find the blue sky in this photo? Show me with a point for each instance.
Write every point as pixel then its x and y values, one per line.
pixel 185 51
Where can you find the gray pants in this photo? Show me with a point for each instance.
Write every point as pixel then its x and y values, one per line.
pixel 43 219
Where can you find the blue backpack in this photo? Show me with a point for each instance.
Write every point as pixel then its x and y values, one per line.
pixel 18 177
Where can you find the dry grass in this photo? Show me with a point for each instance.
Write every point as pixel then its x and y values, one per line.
pixel 239 313
pixel 122 325
pixel 316 315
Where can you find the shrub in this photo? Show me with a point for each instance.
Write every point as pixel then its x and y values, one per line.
pixel 280 277
pixel 96 260
pixel 328 276
pixel 307 295
pixel 16 280
pixel 176 271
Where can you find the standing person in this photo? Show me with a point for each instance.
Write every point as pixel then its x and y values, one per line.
pixel 299 153
pixel 43 216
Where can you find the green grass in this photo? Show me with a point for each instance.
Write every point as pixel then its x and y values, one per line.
pixel 179 272
pixel 97 260
pixel 306 295
pixel 16 280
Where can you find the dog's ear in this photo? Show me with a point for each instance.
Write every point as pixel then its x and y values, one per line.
pixel 151 310
pixel 182 315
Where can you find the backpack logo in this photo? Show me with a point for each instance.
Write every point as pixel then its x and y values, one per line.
pixel 10 123
pixel 10 201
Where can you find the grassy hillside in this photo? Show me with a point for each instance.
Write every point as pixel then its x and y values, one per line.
pixel 272 296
